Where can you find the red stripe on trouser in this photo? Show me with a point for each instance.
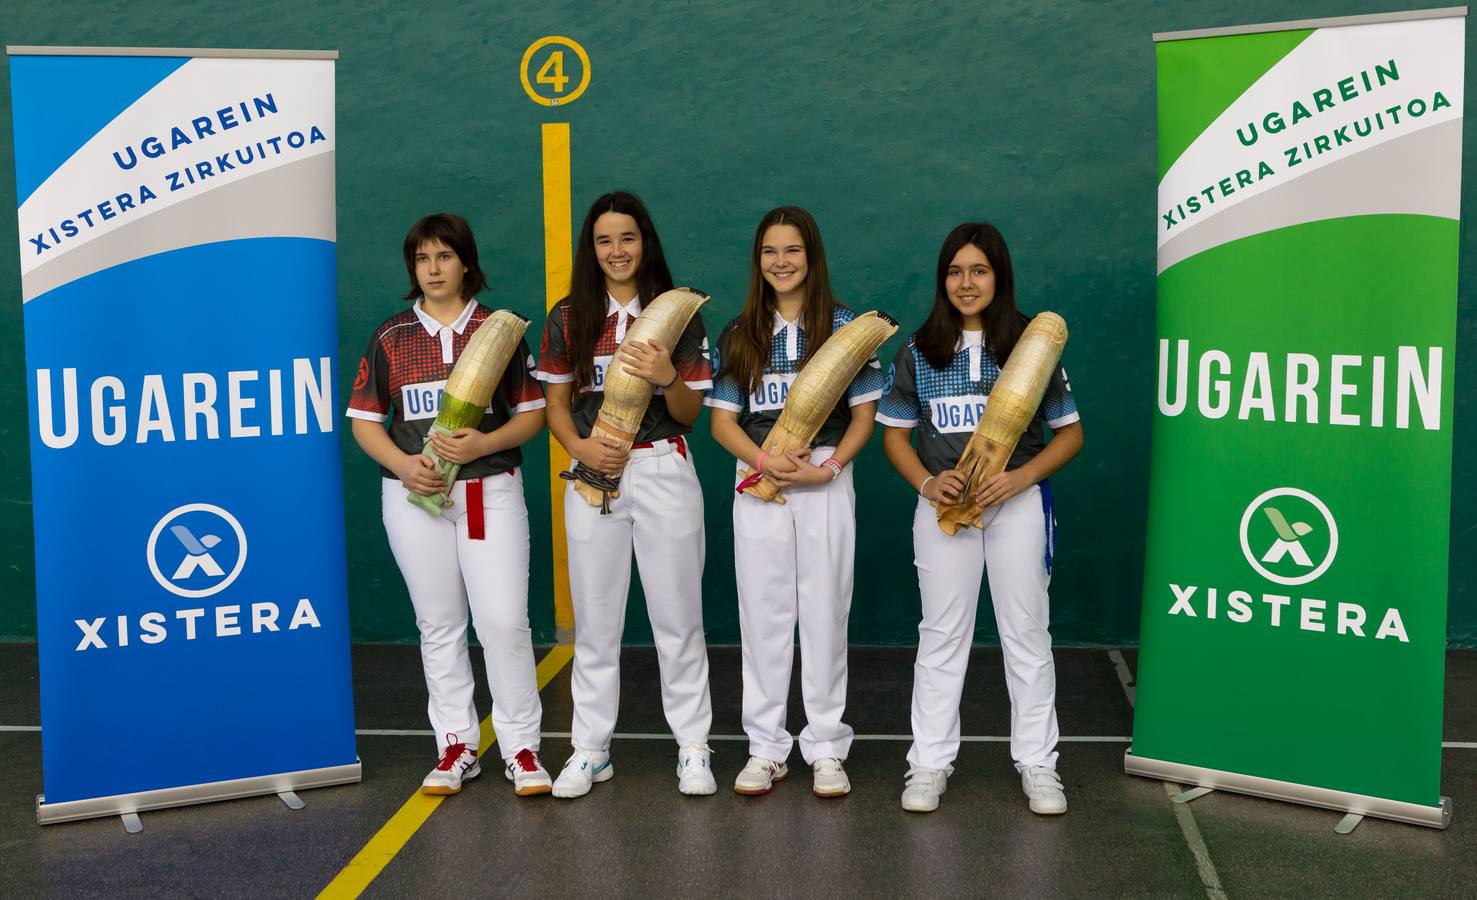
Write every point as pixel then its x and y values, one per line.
pixel 476 529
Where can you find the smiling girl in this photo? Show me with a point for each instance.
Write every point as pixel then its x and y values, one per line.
pixel 476 552
pixel 941 379
pixel 618 266
pixel 793 560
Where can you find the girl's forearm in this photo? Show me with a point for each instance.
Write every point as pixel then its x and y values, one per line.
pixel 863 423
pixel 897 443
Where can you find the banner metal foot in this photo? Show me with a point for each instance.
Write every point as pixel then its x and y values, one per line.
pixel 1340 802
pixel 292 800
pixel 284 784
pixel 1348 823
pixel 131 823
pixel 1191 794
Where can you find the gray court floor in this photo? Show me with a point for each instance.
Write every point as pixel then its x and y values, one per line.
pixel 636 836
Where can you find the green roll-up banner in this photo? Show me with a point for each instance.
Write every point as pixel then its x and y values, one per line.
pixel 1294 612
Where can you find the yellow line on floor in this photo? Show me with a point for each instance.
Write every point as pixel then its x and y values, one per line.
pixel 366 865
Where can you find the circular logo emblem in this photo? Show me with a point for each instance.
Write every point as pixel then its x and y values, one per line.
pixel 1289 536
pixel 195 543
pixel 546 67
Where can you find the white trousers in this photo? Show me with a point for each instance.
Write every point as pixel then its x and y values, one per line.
pixel 1012 548
pixel 794 563
pixel 659 514
pixel 446 572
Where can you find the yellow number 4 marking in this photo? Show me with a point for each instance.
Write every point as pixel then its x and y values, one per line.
pixel 552 72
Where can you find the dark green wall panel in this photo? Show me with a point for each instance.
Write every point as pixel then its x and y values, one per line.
pixel 891 122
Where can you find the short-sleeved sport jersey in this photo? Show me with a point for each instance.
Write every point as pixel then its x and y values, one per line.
pixel 948 403
pixel 759 410
pixel 404 370
pixel 689 357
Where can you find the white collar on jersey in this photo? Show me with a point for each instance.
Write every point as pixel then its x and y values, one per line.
pixel 975 341
pixel 792 339
pixel 432 326
pixel 627 312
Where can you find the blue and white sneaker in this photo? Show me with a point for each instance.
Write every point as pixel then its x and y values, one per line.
pixel 694 775
pixel 459 763
pixel 584 768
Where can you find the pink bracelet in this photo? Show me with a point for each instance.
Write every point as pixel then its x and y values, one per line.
pixel 834 466
pixel 759 463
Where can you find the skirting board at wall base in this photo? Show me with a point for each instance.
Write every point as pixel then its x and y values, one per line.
pixel 1377 807
pixel 118 804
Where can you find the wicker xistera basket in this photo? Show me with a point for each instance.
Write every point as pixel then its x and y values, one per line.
pixel 628 395
pixel 1013 401
pixel 469 390
pixel 819 387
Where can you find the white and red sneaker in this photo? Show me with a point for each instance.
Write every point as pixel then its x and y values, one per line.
pixel 759 775
pixel 459 763
pixel 527 773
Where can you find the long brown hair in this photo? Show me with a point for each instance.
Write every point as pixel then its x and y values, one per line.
pixel 1003 320
pixel 747 350
pixel 587 294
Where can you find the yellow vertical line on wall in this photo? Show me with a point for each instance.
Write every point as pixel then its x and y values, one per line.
pixel 558 264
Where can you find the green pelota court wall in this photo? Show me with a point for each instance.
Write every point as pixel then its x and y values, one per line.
pixel 891 122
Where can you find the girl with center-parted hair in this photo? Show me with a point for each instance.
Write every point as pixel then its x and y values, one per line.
pixel 618 267
pixel 941 382
pixel 793 561
pixel 475 553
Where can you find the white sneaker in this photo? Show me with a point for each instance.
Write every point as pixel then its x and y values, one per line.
pixel 830 778
pixel 527 773
pixel 1044 788
pixel 584 768
pixel 759 776
pixel 694 776
pixel 458 764
pixel 922 788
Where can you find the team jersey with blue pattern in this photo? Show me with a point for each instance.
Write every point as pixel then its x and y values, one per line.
pixel 760 409
pixel 946 404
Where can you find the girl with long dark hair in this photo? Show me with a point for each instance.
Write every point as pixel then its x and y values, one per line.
pixel 941 383
pixel 618 266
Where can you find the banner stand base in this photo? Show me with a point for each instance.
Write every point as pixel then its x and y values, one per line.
pixel 1290 792
pixel 143 801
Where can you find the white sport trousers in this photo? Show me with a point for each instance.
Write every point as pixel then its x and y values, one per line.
pixel 446 573
pixel 1012 549
pixel 659 515
pixel 794 564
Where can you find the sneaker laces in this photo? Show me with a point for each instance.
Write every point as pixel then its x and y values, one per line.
pixel 453 753
pixel 580 758
pixel 828 765
pixel 919 776
pixel 758 765
pixel 693 751
pixel 526 760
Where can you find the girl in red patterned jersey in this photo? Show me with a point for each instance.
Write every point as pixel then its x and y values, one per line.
pixel 475 554
pixel 618 266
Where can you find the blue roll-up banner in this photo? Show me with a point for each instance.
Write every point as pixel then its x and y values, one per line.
pixel 177 248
